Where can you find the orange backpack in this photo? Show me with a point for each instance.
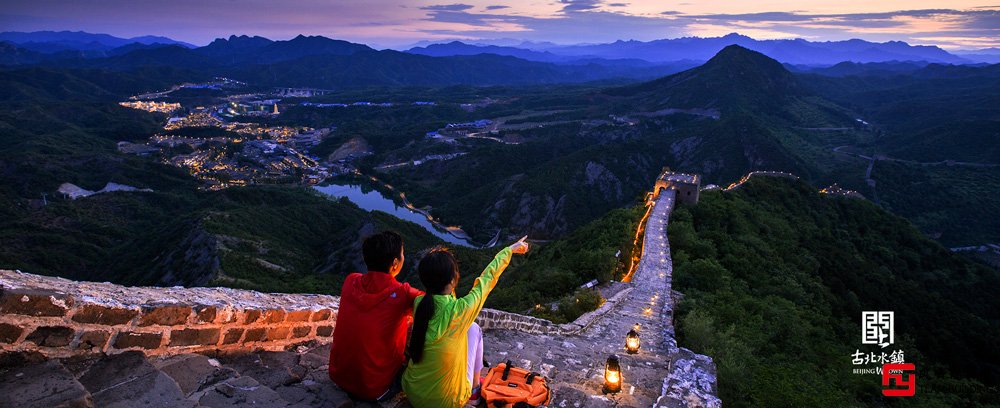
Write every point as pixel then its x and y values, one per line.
pixel 506 385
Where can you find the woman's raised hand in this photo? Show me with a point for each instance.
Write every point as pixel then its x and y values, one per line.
pixel 520 246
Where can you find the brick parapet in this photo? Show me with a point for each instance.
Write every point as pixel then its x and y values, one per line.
pixel 59 318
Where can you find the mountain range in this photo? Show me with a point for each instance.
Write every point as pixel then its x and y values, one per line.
pixel 327 63
pixel 55 41
pixel 481 64
pixel 797 51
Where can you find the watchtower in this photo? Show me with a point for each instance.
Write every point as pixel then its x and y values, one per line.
pixel 686 185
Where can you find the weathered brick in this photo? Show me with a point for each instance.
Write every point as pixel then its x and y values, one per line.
pixel 232 336
pixel 165 315
pixel 251 316
pixel 226 315
pixel 322 314
pixel 34 302
pixel 93 339
pixel 277 333
pixel 9 333
pixel 207 314
pixel 104 315
pixel 301 331
pixel 255 335
pixel 324 331
pixel 51 336
pixel 191 337
pixel 275 316
pixel 141 340
pixel 298 316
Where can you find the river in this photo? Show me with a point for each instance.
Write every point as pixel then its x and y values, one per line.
pixel 372 200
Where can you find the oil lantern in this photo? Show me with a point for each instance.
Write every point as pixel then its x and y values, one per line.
pixel 612 375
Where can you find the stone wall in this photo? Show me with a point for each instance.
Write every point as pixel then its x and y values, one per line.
pixel 498 319
pixel 691 382
pixel 59 318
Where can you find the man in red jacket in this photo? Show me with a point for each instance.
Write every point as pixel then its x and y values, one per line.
pixel 375 311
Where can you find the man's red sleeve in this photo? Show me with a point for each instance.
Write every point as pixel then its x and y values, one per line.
pixel 413 293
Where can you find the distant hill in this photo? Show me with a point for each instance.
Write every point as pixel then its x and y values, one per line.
pixel 634 67
pixel 55 41
pixel 848 68
pixel 257 50
pixel 385 68
pixel 797 51
pixel 459 48
pixel 735 78
pixel 986 55
pixel 11 54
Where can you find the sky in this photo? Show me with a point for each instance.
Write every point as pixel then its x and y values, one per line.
pixel 950 24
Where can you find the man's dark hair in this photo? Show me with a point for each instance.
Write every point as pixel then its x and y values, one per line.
pixel 379 250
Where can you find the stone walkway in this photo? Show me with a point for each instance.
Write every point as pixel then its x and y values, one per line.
pixel 575 364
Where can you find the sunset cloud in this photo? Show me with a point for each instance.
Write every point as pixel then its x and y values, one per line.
pixel 448 7
pixel 397 23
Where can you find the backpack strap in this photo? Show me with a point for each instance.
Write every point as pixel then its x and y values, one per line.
pixel 506 370
pixel 548 394
pixel 531 377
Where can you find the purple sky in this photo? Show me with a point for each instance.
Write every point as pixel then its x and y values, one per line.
pixel 395 23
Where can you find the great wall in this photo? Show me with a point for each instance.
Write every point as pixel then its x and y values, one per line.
pixel 81 344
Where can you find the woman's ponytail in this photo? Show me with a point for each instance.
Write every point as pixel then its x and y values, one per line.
pixel 421 319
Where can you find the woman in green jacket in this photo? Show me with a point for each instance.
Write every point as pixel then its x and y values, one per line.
pixel 439 373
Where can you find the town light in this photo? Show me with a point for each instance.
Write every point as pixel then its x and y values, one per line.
pixel 612 375
pixel 632 342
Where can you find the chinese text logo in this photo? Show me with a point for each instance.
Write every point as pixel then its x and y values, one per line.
pixel 876 328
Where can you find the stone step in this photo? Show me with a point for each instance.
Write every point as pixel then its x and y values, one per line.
pixel 273 369
pixel 241 391
pixel 42 384
pixel 129 380
pixel 193 372
pixel 282 379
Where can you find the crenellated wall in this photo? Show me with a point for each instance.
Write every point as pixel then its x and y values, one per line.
pixel 59 318
pixel 499 319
